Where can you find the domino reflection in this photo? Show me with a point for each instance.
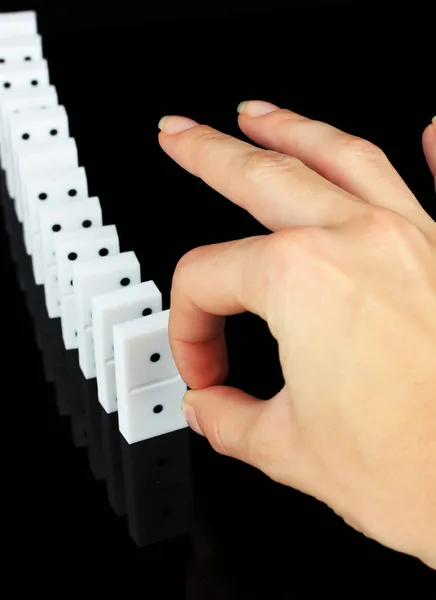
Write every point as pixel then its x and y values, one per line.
pixel 149 481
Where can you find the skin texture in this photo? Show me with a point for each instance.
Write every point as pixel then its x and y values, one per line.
pixel 347 284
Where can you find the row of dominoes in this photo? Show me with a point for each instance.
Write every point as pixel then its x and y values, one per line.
pixel 114 320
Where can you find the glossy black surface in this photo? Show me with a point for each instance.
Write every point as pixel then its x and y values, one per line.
pixel 249 538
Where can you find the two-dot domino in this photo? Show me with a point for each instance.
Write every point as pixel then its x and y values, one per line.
pixel 115 321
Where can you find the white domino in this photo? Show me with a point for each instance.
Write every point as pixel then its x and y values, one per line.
pixel 70 249
pixel 23 76
pixel 90 279
pixel 14 24
pixel 36 124
pixel 111 309
pixel 37 158
pixel 20 49
pixel 17 101
pixel 67 185
pixel 55 217
pixel 149 386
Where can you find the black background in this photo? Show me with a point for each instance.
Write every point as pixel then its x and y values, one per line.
pixel 363 68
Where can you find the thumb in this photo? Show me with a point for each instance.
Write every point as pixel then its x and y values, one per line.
pixel 429 146
pixel 227 417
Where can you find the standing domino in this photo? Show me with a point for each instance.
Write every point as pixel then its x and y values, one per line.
pixel 149 386
pixel 53 218
pixel 33 125
pixel 14 24
pixel 20 49
pixel 60 186
pixel 70 249
pixel 39 157
pixel 111 309
pixel 24 76
pixel 91 279
pixel 14 102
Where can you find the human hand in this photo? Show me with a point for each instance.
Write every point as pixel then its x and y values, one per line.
pixel 347 284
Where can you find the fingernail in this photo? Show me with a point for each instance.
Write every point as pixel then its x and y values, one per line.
pixel 191 419
pixel 256 108
pixel 434 122
pixel 174 124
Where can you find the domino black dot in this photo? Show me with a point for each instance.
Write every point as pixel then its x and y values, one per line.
pixel 42 196
pixel 25 136
pixel 158 409
pixel 72 193
pixel 146 312
pixel 125 281
pixel 86 223
pixel 103 251
pixel 71 282
pixel 53 131
pixel 56 227
pixel 155 357
pixel 27 58
pixel 7 84
pixel 72 256
pixel 34 82
pixel 75 333
pixel 2 60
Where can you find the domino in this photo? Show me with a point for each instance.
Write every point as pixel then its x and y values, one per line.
pixel 33 125
pixel 67 185
pixel 53 218
pixel 38 158
pixel 110 309
pixel 149 386
pixel 16 101
pixel 92 278
pixel 21 49
pixel 17 24
pixel 24 76
pixel 70 249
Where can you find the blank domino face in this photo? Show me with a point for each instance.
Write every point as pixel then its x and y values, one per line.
pixel 92 278
pixel 57 187
pixel 70 249
pixel 56 217
pixel 21 49
pixel 20 100
pixel 111 309
pixel 149 387
pixel 18 23
pixel 33 125
pixel 39 157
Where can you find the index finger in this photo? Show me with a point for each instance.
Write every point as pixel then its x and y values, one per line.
pixel 210 283
pixel 278 190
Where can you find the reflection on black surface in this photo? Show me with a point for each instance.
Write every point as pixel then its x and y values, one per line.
pixel 150 481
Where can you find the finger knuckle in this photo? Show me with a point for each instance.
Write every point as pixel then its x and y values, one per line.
pixel 203 144
pixel 183 266
pixel 361 148
pixel 291 241
pixel 261 165
pixel 382 222
pixel 215 438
